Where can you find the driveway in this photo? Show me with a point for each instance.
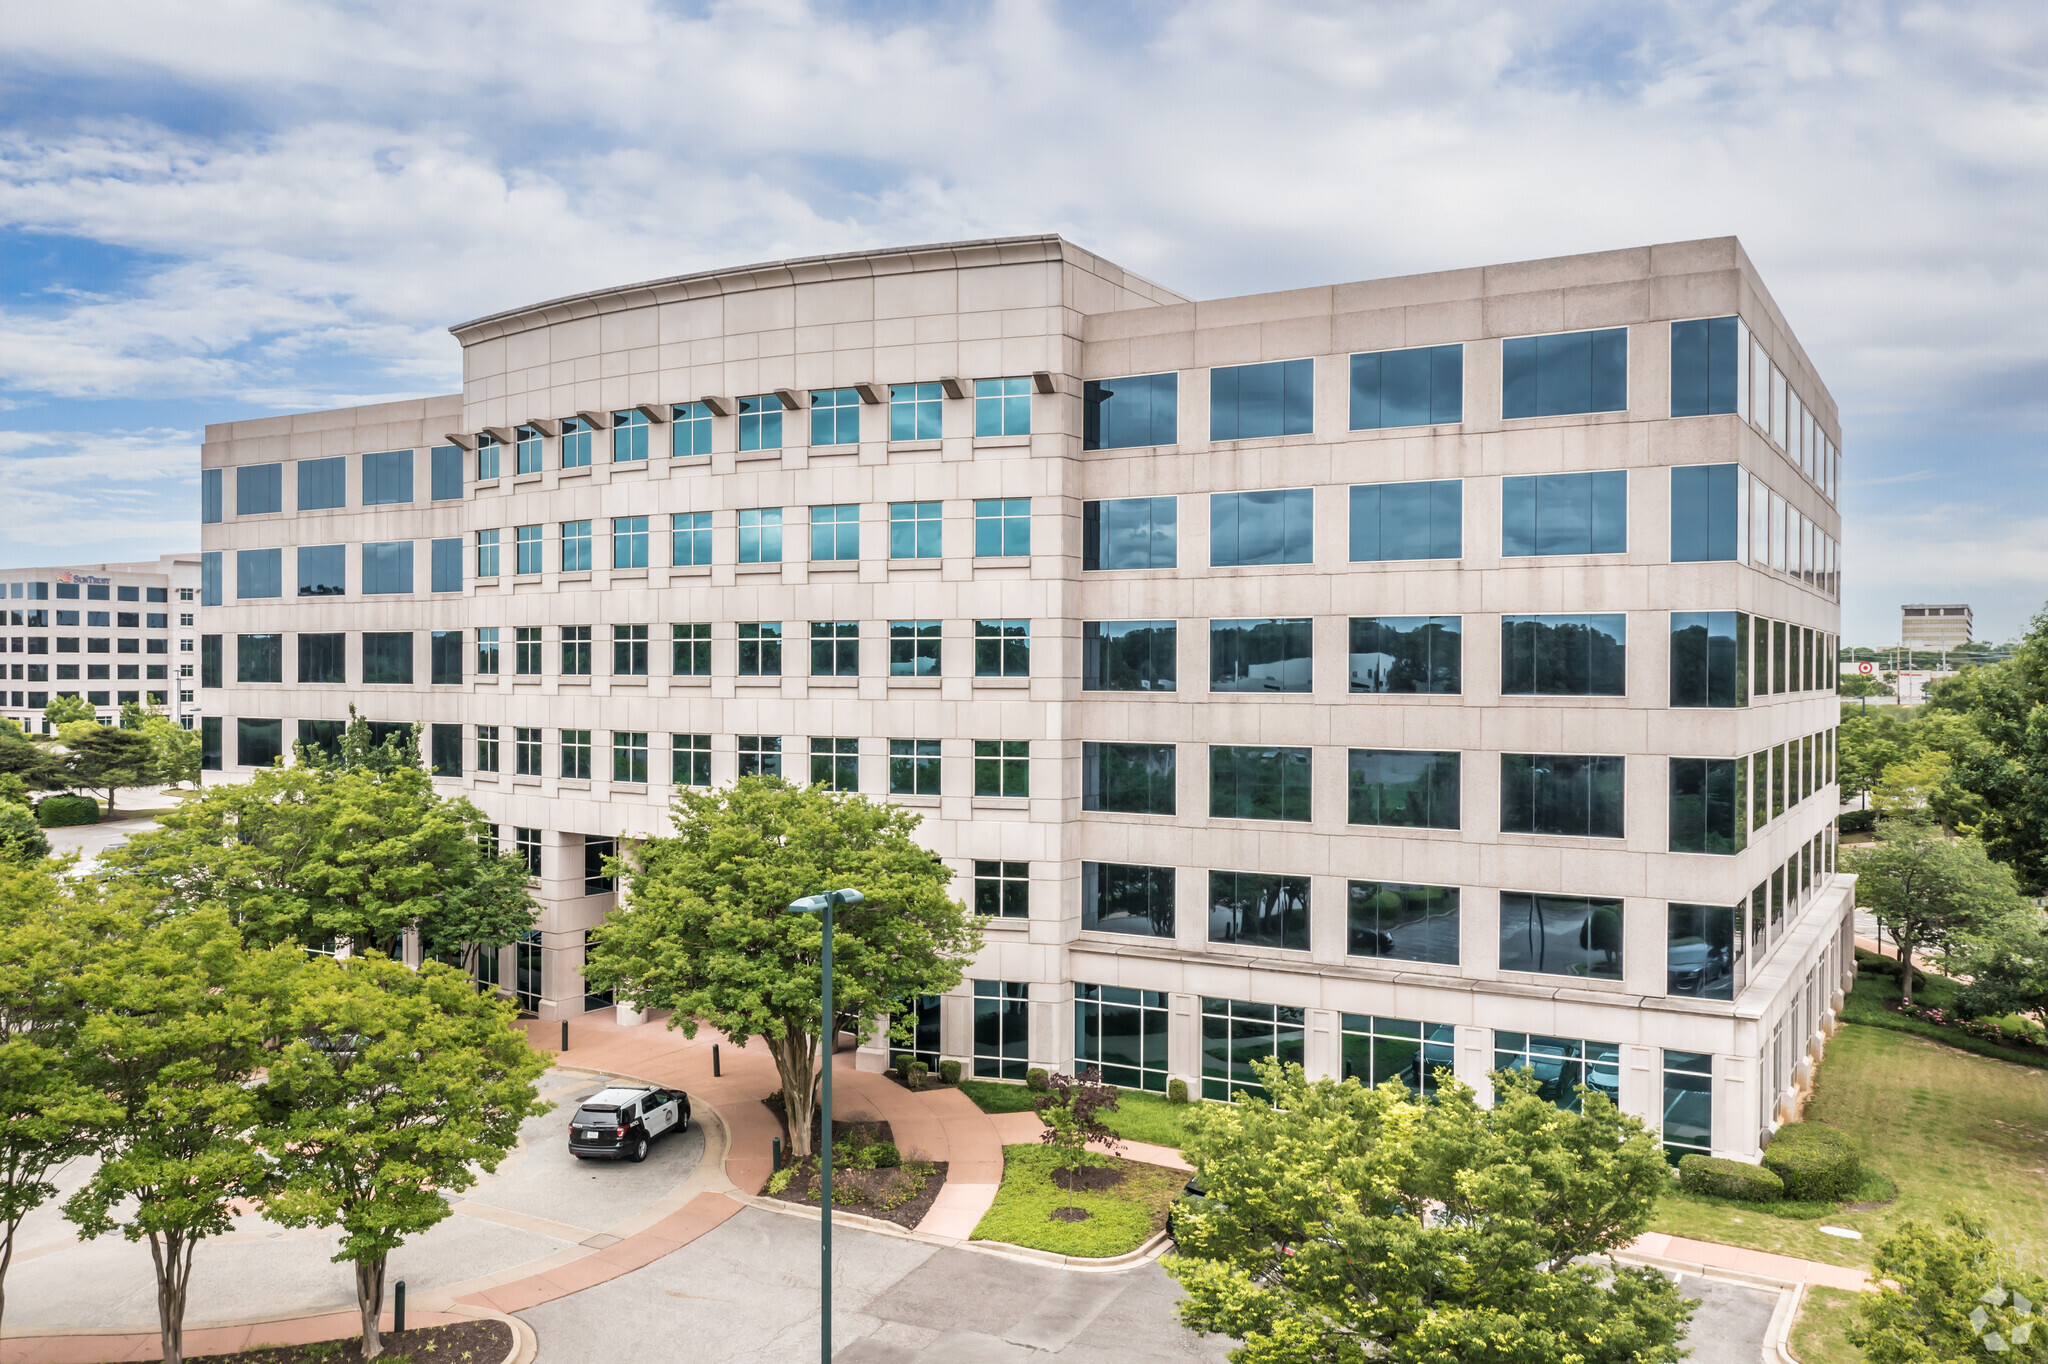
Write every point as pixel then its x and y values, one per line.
pixel 747 1293
pixel 541 1204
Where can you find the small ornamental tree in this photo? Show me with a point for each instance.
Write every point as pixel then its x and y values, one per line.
pixel 1345 1224
pixel 104 758
pixel 394 1088
pixel 1929 891
pixel 50 928
pixel 178 1018
pixel 64 709
pixel 1072 1110
pixel 706 929
pixel 1950 1293
pixel 176 749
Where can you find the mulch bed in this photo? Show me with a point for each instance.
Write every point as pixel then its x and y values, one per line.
pixel 1088 1179
pixel 460 1342
pixel 1070 1214
pixel 868 1133
pixel 863 1191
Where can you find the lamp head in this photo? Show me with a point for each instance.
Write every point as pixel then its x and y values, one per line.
pixel 817 904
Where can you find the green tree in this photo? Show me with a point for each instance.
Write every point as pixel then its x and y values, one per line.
pixel 103 758
pixel 22 842
pixel 50 927
pixel 179 1015
pixel 1949 1295
pixel 175 748
pixel 395 1088
pixel 1856 686
pixel 66 708
pixel 1930 891
pixel 2008 970
pixel 706 930
pixel 306 853
pixel 1346 1224
pixel 2007 772
pixel 36 766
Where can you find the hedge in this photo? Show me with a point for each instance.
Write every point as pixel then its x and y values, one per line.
pixel 1856 822
pixel 1817 1163
pixel 56 812
pixel 1718 1178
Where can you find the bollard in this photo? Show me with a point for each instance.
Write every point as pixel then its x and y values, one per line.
pixel 714 1060
pixel 398 1308
pixel 565 1034
pixel 775 1147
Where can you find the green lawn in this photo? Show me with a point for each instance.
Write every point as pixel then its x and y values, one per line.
pixel 1817 1336
pixel 1866 1005
pixel 1121 1218
pixel 1138 1116
pixel 1947 1126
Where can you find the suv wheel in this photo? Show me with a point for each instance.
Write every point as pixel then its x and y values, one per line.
pixel 639 1151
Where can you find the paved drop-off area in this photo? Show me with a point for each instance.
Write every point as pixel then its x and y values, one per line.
pixel 542 1201
pixel 747 1293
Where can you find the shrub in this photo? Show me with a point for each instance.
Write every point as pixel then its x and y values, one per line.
pixel 1035 1080
pixel 1857 822
pixel 56 812
pixel 779 1181
pixel 1719 1178
pixel 902 1063
pixel 914 1077
pixel 949 1071
pixel 883 1155
pixel 21 842
pixel 1176 1091
pixel 1816 1163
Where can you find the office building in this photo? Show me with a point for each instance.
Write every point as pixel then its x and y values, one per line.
pixel 111 633
pixel 1430 671
pixel 1945 626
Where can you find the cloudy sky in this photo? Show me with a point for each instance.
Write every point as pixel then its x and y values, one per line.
pixel 226 209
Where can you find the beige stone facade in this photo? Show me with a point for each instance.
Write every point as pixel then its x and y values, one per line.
pixel 1947 626
pixel 1044 311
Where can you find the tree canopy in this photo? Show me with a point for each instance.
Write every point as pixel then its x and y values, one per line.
pixel 105 758
pixel 1950 1293
pixel 1346 1224
pixel 2006 770
pixel 306 853
pixel 705 929
pixel 1930 891
pixel 392 1089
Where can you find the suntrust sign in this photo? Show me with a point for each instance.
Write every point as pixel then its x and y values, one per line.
pixel 81 578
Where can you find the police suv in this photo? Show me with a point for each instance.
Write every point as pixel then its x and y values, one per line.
pixel 621 1122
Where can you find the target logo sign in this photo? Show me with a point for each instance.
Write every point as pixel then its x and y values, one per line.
pixel 1866 668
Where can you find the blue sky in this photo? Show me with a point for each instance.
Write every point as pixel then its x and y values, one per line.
pixel 221 211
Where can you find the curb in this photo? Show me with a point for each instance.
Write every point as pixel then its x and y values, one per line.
pixel 1778 1335
pixel 1151 1249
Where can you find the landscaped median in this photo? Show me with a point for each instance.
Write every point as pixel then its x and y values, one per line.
pixel 1113 1208
pixel 1138 1116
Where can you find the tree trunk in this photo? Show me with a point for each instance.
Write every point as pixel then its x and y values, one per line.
pixel 172 1253
pixel 796 1062
pixel 1905 969
pixel 370 1302
pixel 6 1259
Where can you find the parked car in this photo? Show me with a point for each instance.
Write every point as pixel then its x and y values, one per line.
pixel 622 1122
pixel 1190 1199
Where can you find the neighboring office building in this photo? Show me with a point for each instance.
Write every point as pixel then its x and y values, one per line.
pixel 110 633
pixel 1426 671
pixel 1923 626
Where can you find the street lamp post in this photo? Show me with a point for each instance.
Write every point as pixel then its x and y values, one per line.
pixel 822 905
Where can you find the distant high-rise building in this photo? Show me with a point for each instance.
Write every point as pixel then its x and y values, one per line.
pixel 111 633
pixel 1395 676
pixel 1934 627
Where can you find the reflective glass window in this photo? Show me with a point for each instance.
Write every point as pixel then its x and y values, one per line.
pixel 916 412
pixel 259 488
pixel 1271 527
pixel 1707 359
pixel 1564 655
pixel 1709 515
pixel 913 648
pixel 1002 1029
pixel 1377 1050
pixel 1264 655
pixel 835 416
pixel 323 483
pixel 761 536
pixel 387 478
pixel 1135 532
pixel 444 473
pixel 1259 782
pixel 1002 527
pixel 323 570
pixel 1564 374
pixel 1237 1032
pixel 387 658
pixel 1703 951
pixel 914 767
pixel 1423 386
pixel 1129 655
pixel 1403 788
pixel 445 564
pixel 1416 655
pixel 1407 521
pixel 1117 414
pixel 1560 935
pixel 1002 407
pixel 1562 1065
pixel 1709 805
pixel 1569 795
pixel 690 539
pixel 916 531
pixel 1131 779
pixel 1402 922
pixel 1565 514
pixel 1259 909
pixel 1709 658
pixel 689 430
pixel 835 532
pixel 1122 1033
pixel 260 573
pixel 761 422
pixel 1247 402
pixel 1122 899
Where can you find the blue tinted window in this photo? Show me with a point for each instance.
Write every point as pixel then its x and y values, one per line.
pixel 1563 655
pixel 1556 376
pixel 259 488
pixel 1262 655
pixel 761 422
pixel 1276 527
pixel 1565 514
pixel 1134 900
pixel 916 411
pixel 835 417
pixel 1709 658
pixel 914 531
pixel 209 496
pixel 1129 655
pixel 690 430
pixel 387 566
pixel 1002 526
pixel 630 431
pixel 1133 532
pixel 323 483
pixel 1413 654
pixel 629 542
pixel 1706 355
pixel 527 549
pixel 835 532
pixel 575 443
pixel 387 478
pixel 447 565
pixel 323 570
pixel 259 573
pixel 488 451
pixel 1709 805
pixel 444 466
pixel 1002 407
pixel 690 537
pixel 1708 519
pixel 1420 387
pixel 1559 935
pixel 761 536
pixel 1404 788
pixel 209 578
pixel 1408 521
pixel 528 449
pixel 576 556
pixel 1119 413
pixel 1260 783
pixel 1249 401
